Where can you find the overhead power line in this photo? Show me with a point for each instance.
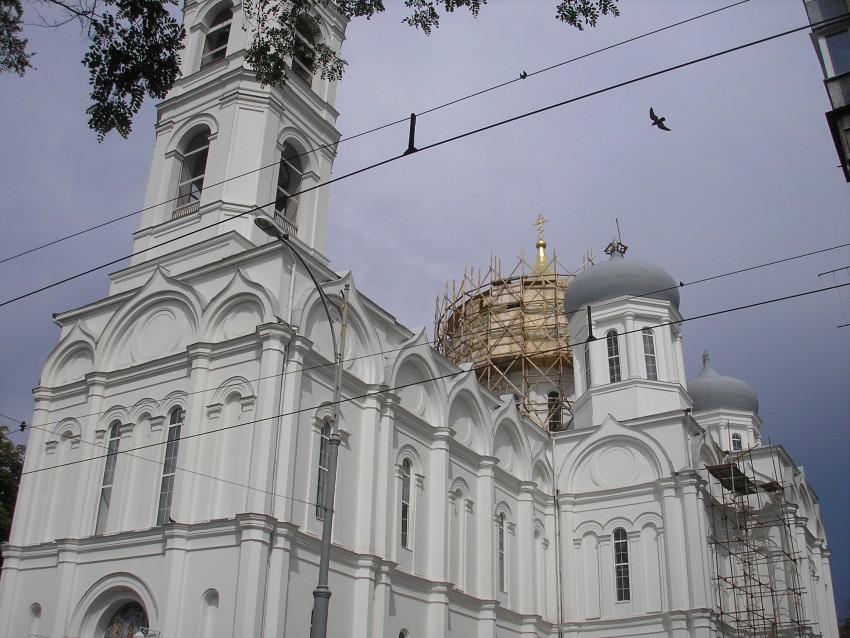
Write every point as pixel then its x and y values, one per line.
pixel 374 393
pixel 377 128
pixel 383 353
pixel 433 145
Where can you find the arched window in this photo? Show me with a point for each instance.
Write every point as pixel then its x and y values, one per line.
pixel 304 52
pixel 553 406
pixel 289 177
pixel 192 169
pixel 405 503
pixel 586 367
pixel 613 341
pixel 215 44
pixel 169 467
pixel 322 478
pixel 736 443
pixel 108 477
pixel 649 354
pixel 127 621
pixel 621 565
pixel 500 544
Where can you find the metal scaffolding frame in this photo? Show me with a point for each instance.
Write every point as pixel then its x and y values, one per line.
pixel 756 565
pixel 513 329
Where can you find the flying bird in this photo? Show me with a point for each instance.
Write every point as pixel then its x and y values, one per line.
pixel 657 121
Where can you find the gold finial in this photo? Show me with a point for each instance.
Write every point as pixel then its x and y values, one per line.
pixel 541 264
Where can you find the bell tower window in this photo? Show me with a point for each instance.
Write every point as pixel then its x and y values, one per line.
pixel 304 53
pixel 289 179
pixel 649 354
pixel 613 341
pixel 215 44
pixel 192 169
pixel 553 403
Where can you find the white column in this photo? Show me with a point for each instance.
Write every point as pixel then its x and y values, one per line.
pixel 254 542
pixel 289 430
pixel 367 452
pixel 695 546
pixel 525 548
pixel 437 519
pixel 267 416
pixel 190 453
pixel 674 549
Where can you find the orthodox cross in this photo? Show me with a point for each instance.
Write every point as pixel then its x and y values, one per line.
pixel 539 223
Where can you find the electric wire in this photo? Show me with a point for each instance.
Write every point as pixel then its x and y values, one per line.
pixel 433 145
pixel 378 392
pixel 374 129
pixel 405 346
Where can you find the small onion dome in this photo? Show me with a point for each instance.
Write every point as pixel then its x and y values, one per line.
pixel 711 391
pixel 619 277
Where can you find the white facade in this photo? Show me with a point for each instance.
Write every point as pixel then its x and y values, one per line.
pixel 455 514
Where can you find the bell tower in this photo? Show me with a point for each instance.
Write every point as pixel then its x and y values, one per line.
pixel 228 148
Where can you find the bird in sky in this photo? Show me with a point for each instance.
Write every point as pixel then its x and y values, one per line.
pixel 657 121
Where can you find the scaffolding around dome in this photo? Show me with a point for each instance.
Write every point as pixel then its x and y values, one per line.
pixel 513 329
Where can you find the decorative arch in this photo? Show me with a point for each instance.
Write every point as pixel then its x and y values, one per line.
pixel 617 522
pixel 467 416
pixel 115 413
pixel 649 519
pixel 68 427
pixel 413 376
pixel 613 456
pixel 460 484
pixel 592 528
pixel 541 475
pixel 239 386
pixel 511 448
pixel 106 596
pixel 157 321
pixel 188 129
pixel 361 336
pixel 72 358
pixel 410 453
pixel 238 309
pixel 145 408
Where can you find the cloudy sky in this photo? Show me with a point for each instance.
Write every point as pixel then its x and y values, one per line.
pixel 747 176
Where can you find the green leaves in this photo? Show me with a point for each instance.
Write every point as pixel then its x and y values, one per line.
pixel 134 52
pixel 578 13
pixel 135 44
pixel 13 48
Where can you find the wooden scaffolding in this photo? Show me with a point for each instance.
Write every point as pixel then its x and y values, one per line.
pixel 513 329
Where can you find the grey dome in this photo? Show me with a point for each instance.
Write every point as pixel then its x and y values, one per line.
pixel 620 277
pixel 712 391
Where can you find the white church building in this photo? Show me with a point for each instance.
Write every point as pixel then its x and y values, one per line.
pixel 178 456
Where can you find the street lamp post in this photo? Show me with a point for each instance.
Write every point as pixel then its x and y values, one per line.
pixel 322 593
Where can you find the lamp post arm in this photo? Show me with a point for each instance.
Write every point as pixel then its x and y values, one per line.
pixel 325 299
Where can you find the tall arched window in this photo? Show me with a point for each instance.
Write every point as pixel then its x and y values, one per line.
pixel 553 406
pixel 613 341
pixel 621 565
pixel 736 443
pixel 502 554
pixel 108 477
pixel 304 52
pixel 587 366
pixel 405 503
pixel 215 44
pixel 322 478
pixel 649 354
pixel 289 177
pixel 169 467
pixel 192 169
